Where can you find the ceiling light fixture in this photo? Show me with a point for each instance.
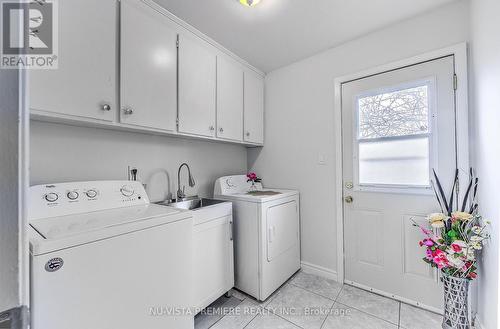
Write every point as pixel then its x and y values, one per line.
pixel 249 3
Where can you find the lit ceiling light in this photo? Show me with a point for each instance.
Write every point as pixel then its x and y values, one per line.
pixel 249 3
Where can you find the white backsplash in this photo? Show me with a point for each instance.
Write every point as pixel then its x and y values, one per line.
pixel 61 153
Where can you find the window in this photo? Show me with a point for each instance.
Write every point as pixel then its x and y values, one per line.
pixel 394 136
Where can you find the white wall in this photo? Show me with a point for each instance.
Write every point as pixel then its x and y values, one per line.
pixel 485 107
pixel 300 113
pixel 62 153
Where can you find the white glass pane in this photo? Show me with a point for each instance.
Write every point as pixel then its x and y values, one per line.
pixel 395 162
pixel 403 112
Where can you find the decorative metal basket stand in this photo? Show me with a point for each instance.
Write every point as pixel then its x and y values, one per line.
pixel 456 307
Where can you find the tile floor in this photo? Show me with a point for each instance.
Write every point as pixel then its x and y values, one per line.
pixel 310 302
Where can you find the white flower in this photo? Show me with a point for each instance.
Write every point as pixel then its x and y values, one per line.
pixel 476 238
pixel 437 217
pixel 455 261
pixel 477 229
pixel 464 216
pixel 476 245
pixel 437 224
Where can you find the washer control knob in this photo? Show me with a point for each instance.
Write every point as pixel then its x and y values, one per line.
pixel 51 197
pixel 127 190
pixel 72 195
pixel 91 193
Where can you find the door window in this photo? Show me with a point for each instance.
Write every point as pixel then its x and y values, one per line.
pixel 393 140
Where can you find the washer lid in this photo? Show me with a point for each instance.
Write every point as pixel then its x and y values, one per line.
pixel 260 196
pixel 67 226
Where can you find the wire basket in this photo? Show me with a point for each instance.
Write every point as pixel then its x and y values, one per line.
pixel 456 307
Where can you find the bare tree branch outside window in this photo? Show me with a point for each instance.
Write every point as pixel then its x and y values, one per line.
pixel 399 113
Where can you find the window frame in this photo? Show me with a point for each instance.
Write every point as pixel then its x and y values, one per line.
pixel 431 136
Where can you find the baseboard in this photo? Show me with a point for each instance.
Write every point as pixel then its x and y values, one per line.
pixel 319 271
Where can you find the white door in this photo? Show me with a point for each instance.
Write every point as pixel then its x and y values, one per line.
pixel 148 67
pixel 84 85
pixel 254 108
pixel 229 99
pixel 213 260
pixel 282 233
pixel 14 180
pixel 197 78
pixel 396 127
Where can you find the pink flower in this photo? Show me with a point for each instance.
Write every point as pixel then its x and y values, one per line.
pixel 428 242
pixel 440 259
pixel 426 231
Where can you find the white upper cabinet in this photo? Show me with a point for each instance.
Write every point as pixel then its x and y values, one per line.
pixel 197 86
pixel 148 67
pixel 253 108
pixel 132 65
pixel 84 85
pixel 229 99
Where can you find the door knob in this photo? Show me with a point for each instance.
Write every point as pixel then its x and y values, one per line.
pixel 348 199
pixel 106 107
pixel 211 128
pixel 221 129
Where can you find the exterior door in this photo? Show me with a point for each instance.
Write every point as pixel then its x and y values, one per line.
pixel 396 128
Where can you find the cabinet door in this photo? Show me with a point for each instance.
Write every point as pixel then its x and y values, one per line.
pixel 229 99
pixel 213 260
pixel 197 72
pixel 86 78
pixel 254 108
pixel 148 67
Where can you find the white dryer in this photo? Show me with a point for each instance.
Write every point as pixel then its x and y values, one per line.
pixel 266 234
pixel 103 257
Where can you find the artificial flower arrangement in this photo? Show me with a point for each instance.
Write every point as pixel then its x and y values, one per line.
pixel 457 234
pixel 252 177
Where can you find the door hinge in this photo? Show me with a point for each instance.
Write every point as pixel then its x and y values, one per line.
pixel 177 122
pixel 177 42
pixel 455 82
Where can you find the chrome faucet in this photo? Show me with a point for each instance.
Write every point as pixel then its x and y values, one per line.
pixel 180 192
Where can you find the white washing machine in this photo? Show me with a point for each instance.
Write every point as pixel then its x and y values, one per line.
pixel 103 257
pixel 266 234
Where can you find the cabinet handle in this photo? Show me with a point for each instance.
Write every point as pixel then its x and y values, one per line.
pixel 211 128
pixel 221 129
pixel 106 107
pixel 231 230
pixel 128 111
